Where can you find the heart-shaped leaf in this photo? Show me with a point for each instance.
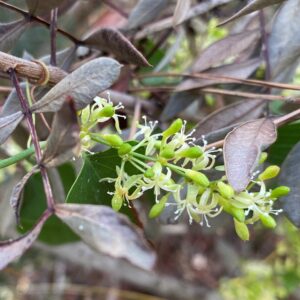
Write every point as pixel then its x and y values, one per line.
pixel 81 86
pixel 107 232
pixel 113 41
pixel 242 148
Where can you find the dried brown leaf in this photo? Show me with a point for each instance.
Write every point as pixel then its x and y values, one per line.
pixel 40 7
pixel 242 148
pixel 113 41
pixel 107 232
pixel 8 125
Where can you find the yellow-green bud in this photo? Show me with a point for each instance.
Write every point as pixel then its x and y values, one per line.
pixel 167 153
pixel 237 213
pixel 197 177
pixel 149 173
pixel 269 173
pixel 106 112
pixel 225 190
pixel 157 145
pixel 158 208
pixel 263 157
pixel 193 152
pixel 116 202
pixel 267 221
pixel 241 230
pixel 173 128
pixel 280 191
pixel 124 149
pixel 113 140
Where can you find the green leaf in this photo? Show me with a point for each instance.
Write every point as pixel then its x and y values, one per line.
pixel 288 136
pixel 34 204
pixel 88 190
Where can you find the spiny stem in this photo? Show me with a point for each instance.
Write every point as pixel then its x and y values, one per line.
pixel 35 141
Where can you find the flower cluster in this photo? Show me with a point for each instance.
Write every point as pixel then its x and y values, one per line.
pixel 160 158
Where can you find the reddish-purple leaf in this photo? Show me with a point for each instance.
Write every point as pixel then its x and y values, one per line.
pixel 63 142
pixel 107 232
pixel 242 149
pixel 12 249
pixel 113 41
pixel 8 125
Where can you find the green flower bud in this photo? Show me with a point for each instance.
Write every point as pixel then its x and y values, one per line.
pixel 267 221
pixel 85 115
pixel 158 208
pixel 269 173
pixel 113 140
pixel 263 157
pixel 167 153
pixel 116 202
pixel 197 177
pixel 193 152
pixel 149 173
pixel 173 128
pixel 241 230
pixel 225 190
pixel 157 145
pixel 106 112
pixel 237 213
pixel 280 191
pixel 124 149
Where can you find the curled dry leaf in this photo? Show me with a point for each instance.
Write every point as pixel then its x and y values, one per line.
pixel 251 7
pixel 231 114
pixel 242 148
pixel 107 232
pixel 181 11
pixel 63 142
pixel 15 198
pixel 230 46
pixel 290 176
pixel 81 86
pixel 12 249
pixel 113 41
pixel 145 11
pixel 10 33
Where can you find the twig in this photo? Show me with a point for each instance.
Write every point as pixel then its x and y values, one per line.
pixel 27 15
pixel 29 69
pixel 223 79
pixel 116 8
pixel 34 136
pixel 135 120
pixel 279 121
pixel 53 28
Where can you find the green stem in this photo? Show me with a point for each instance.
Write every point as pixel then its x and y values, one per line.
pixel 20 156
pixel 98 139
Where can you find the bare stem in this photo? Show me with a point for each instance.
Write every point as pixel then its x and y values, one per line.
pixel 53 28
pixel 35 141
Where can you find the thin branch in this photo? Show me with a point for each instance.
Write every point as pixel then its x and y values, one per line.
pixel 223 79
pixel 34 136
pixel 29 69
pixel 279 121
pixel 53 29
pixel 27 15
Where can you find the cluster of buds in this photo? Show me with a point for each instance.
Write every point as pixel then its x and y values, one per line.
pixel 159 158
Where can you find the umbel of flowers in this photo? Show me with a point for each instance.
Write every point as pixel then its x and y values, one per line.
pixel 158 156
